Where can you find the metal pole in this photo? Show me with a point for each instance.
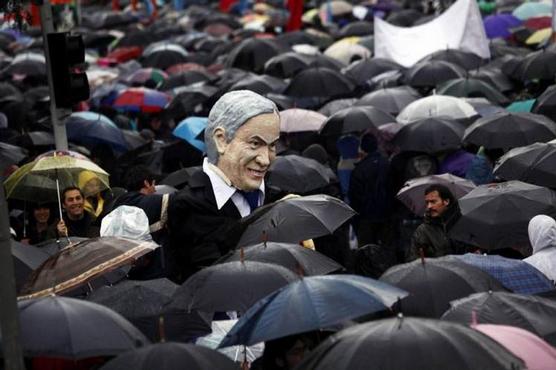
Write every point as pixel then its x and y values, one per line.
pixel 47 25
pixel 553 21
pixel 9 318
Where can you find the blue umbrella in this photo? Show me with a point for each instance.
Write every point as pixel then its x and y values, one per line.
pixel 499 25
pixel 516 275
pixel 311 303
pixel 95 128
pixel 189 129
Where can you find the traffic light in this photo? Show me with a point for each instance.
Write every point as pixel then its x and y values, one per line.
pixel 66 53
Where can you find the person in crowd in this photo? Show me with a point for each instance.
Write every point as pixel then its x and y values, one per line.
pixel 75 221
pixel 241 135
pixel 431 237
pixel 94 197
pixel 370 193
pixel 542 235
pixel 39 221
pixel 284 353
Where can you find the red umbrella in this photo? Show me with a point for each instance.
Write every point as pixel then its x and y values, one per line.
pixel 141 100
pixel 538 23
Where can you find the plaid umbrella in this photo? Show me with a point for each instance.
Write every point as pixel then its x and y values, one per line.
pixel 149 77
pixel 516 275
pixel 141 100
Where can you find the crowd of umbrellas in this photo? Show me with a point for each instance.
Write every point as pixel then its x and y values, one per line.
pixel 468 311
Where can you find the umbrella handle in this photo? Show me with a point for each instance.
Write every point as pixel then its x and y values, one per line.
pixel 60 204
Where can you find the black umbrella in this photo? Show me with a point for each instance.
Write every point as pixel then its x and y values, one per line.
pixel 469 88
pixel 433 282
pixel 11 154
pixel 356 119
pixel 9 93
pixel 141 302
pixel 262 84
pixel 391 100
pixel 171 356
pixel 26 258
pixel 535 164
pixel 430 135
pixel 295 219
pixel 510 130
pixel 164 55
pixel 528 312
pixel 539 65
pixel 464 59
pixel 336 105
pixel 29 64
pixel 292 256
pixel 252 54
pixel 359 28
pixel 184 79
pixel 410 343
pixel 546 103
pixel 296 174
pixel 190 100
pixel 108 19
pixel 179 178
pixel 70 328
pixel 365 69
pixel 287 65
pixel 496 216
pixel 493 76
pixel 321 40
pixel 231 286
pixel 99 39
pixel 319 82
pixel 432 72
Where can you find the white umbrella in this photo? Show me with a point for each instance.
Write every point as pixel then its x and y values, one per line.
pixel 437 106
pixel 300 120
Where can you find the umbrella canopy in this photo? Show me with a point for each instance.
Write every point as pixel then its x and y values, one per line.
pixel 252 54
pixel 149 77
pixel 437 106
pixel 412 192
pixel 29 64
pixel 94 128
pixel 295 219
pixel 262 85
pixel 347 50
pixel 531 10
pixel 26 258
pixel 76 264
pixel 171 356
pixel 510 130
pixel 36 181
pixel 534 314
pixel 297 174
pixel 464 59
pixel 521 106
pixel 433 282
pixel 539 37
pixel 546 103
pixel 179 178
pixel 189 129
pixel 287 65
pixel 140 99
pixel 392 100
pixel 292 256
pixel 355 119
pixel 74 329
pixel 11 154
pixel 430 73
pixel 538 65
pixel 164 55
pixel 300 120
pixel 365 69
pixel 516 275
pixel 496 216
pixel 535 164
pixel 319 82
pixel 430 135
pixel 309 304
pixel 208 290
pixel 494 77
pixel 184 79
pixel 500 25
pixel 537 354
pixel 410 343
pixel 470 87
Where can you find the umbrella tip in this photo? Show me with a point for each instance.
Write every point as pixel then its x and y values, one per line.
pixel 474 321
pixel 299 270
pixel 241 255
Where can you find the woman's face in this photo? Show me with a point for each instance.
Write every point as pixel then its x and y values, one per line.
pixel 92 187
pixel 42 214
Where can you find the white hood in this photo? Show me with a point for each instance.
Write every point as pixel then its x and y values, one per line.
pixel 542 232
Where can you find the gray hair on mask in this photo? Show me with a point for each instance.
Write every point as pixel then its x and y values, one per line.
pixel 230 112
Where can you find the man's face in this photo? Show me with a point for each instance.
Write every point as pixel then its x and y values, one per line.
pixel 435 204
pixel 73 204
pixel 246 158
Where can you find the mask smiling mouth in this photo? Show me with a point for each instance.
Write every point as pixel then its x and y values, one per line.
pixel 257 173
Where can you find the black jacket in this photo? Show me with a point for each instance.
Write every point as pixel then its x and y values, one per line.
pixel 199 233
pixel 432 236
pixel 84 227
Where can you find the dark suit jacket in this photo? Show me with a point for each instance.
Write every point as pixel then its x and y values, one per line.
pixel 199 232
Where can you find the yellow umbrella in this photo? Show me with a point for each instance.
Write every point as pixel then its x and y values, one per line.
pixel 309 16
pixel 539 36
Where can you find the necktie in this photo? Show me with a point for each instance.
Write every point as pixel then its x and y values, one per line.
pixel 252 198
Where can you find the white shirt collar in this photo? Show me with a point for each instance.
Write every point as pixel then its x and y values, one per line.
pixel 222 186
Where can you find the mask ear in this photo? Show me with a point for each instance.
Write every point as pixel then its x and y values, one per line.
pixel 219 137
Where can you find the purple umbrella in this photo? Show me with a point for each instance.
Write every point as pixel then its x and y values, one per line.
pixel 456 163
pixel 499 25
